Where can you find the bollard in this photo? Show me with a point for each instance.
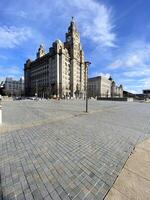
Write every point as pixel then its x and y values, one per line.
pixel 0 114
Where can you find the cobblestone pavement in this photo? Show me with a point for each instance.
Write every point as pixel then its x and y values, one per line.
pixel 58 152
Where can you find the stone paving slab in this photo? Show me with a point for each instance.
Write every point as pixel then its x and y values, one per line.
pixel 76 158
pixel 134 181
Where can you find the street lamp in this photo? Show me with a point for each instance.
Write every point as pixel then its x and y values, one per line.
pixel 87 63
pixel 0 110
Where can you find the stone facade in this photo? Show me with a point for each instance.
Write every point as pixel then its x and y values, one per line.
pixel 14 87
pixel 61 72
pixel 103 87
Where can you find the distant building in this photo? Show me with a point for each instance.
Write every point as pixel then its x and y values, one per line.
pixel 146 93
pixel 128 94
pixel 2 88
pixel 134 96
pixel 60 72
pixel 103 87
pixel 14 87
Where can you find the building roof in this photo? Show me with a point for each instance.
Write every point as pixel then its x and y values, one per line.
pixel 98 77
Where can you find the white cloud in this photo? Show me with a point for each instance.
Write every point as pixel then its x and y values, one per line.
pixel 95 19
pixel 21 13
pixel 11 71
pixel 145 82
pixel 133 60
pixel 116 64
pixel 131 90
pixel 137 73
pixel 132 65
pixel 13 13
pixel 136 83
pixel 96 22
pixel 11 37
pixel 107 75
pixel 3 57
pixel 135 55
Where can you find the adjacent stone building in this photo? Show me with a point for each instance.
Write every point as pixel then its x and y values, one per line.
pixel 14 87
pixel 146 93
pixel 61 72
pixel 103 87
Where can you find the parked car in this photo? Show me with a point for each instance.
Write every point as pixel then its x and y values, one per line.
pixel 32 98
pixel 17 98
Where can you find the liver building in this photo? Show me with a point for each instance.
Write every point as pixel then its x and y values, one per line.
pixel 61 72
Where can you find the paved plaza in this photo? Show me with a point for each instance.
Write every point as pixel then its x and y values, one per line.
pixel 134 180
pixel 53 150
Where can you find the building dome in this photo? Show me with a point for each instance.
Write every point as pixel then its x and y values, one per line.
pixel 113 83
pixel 58 41
pixel 110 78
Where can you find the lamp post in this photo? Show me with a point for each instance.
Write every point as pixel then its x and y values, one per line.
pixel 0 110
pixel 87 63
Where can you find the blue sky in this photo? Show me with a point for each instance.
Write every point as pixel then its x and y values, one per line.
pixel 115 35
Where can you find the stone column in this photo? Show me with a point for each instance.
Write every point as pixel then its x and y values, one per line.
pixel 57 87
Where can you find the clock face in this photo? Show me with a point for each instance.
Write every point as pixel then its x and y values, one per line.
pixel 68 38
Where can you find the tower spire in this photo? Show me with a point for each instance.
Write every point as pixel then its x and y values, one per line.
pixel 72 26
pixel 72 19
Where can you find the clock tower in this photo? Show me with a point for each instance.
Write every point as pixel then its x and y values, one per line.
pixel 77 65
pixel 73 40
